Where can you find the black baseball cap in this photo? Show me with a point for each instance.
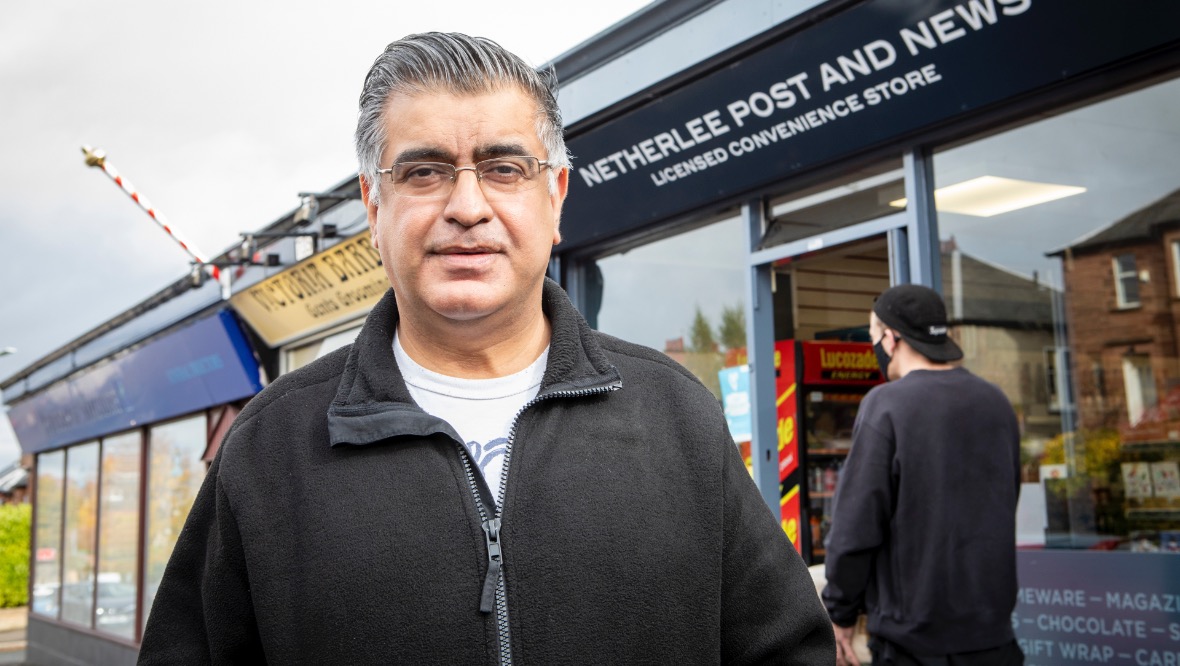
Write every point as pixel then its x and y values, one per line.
pixel 918 314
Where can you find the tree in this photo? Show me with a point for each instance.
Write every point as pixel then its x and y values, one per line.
pixel 733 327
pixel 15 525
pixel 700 336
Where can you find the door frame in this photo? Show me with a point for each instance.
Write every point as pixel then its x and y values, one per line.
pixel 914 257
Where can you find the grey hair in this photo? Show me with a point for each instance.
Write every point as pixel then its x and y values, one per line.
pixel 458 64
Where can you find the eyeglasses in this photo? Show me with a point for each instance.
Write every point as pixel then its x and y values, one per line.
pixel 436 180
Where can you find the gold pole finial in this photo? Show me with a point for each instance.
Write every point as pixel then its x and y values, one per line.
pixel 95 157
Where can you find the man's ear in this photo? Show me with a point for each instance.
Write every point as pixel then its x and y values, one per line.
pixel 370 208
pixel 557 199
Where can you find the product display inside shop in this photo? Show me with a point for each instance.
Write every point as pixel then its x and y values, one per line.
pixel 820 386
pixel 824 364
pixel 828 438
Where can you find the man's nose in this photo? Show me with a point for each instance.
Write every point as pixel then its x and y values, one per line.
pixel 467 205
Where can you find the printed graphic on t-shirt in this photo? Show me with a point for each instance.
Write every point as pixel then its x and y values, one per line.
pixel 483 454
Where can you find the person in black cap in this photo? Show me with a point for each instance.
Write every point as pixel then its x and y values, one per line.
pixel 924 522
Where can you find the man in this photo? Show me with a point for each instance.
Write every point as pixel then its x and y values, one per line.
pixel 923 533
pixel 479 478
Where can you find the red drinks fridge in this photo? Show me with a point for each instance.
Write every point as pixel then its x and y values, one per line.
pixel 819 386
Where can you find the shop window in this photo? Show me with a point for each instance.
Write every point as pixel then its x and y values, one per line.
pixel 50 481
pixel 296 357
pixel 1036 228
pixel 175 474
pixel 683 295
pixel 858 197
pixel 79 535
pixel 1126 281
pixel 118 539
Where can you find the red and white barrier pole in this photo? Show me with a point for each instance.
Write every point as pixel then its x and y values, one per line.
pixel 97 158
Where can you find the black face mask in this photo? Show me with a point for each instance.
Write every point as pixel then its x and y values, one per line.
pixel 883 359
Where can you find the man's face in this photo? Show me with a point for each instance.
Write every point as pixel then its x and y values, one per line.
pixel 464 257
pixel 880 335
pixel 876 328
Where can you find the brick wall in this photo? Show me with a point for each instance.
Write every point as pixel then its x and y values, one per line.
pixel 1101 333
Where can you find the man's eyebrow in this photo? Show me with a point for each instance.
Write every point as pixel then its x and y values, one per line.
pixel 424 155
pixel 499 150
pixel 481 153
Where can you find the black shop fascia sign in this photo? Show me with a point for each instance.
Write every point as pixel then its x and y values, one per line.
pixel 878 71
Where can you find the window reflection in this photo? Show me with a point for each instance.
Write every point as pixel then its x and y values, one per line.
pixel 81 515
pixel 1126 281
pixel 684 295
pixel 297 357
pixel 118 541
pixel 47 556
pixel 1069 304
pixel 857 197
pixel 175 474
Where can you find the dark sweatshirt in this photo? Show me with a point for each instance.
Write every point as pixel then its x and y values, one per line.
pixel 923 532
pixel 339 524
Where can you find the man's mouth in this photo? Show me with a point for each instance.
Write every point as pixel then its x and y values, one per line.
pixel 465 249
pixel 466 258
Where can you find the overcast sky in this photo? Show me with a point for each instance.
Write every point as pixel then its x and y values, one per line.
pixel 218 112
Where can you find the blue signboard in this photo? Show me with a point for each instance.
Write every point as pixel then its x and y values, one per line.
pixel 869 76
pixel 205 364
pixel 1098 607
pixel 735 396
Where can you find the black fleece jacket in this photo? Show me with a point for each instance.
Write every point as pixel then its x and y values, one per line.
pixel 338 525
pixel 924 524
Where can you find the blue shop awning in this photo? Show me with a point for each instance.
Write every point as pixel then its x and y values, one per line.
pixel 204 364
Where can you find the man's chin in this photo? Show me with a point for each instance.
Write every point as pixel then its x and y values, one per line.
pixel 466 302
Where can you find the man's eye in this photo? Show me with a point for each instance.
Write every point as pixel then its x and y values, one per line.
pixel 503 172
pixel 424 172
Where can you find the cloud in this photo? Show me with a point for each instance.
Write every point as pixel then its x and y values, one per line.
pixel 219 112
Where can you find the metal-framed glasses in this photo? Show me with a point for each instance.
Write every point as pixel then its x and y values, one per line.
pixel 503 176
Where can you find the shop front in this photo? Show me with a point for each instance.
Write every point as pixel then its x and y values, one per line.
pixel 740 210
pixel 1018 156
pixel 121 449
pixel 316 306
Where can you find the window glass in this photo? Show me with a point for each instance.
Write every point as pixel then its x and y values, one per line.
pixel 81 517
pixel 47 557
pixel 683 295
pixel 860 196
pixel 297 357
pixel 118 539
pixel 175 473
pixel 1057 269
pixel 1176 266
pixel 1126 283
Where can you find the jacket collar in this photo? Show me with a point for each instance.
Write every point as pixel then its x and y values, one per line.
pixel 372 402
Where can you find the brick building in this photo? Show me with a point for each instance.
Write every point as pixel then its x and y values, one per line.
pixel 1122 296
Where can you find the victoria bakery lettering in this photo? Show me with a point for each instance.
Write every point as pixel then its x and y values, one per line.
pixel 333 268
pixel 352 260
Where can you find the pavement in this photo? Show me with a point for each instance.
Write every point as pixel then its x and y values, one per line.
pixel 13 623
pixel 14 618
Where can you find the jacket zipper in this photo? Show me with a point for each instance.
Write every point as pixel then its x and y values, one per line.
pixel 493 596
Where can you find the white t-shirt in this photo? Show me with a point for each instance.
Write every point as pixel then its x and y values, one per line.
pixel 480 410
